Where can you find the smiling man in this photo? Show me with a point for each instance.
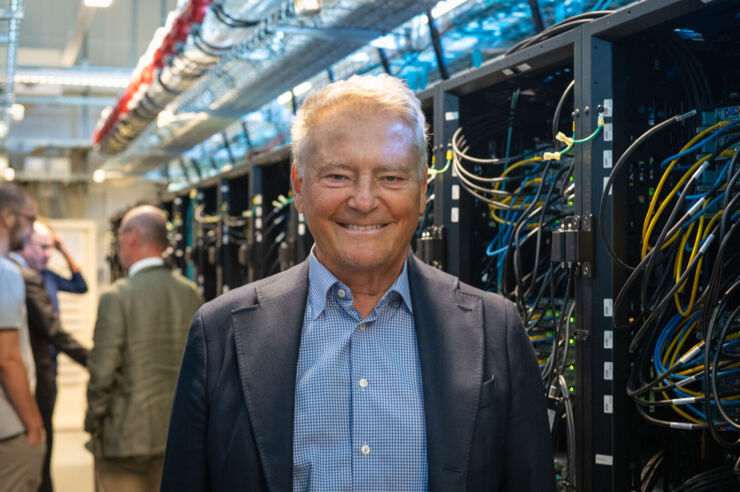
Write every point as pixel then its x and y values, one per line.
pixel 362 368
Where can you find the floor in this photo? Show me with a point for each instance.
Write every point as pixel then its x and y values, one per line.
pixel 71 463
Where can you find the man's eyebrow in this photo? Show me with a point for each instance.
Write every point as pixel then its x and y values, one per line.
pixel 330 165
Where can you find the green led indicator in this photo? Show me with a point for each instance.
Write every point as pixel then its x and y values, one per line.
pixel 571 367
pixel 571 178
pixel 572 341
pixel 557 315
pixel 570 202
pixel 651 191
pixel 572 389
pixel 572 319
pixel 549 334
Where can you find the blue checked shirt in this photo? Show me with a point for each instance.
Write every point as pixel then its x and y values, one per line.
pixel 359 409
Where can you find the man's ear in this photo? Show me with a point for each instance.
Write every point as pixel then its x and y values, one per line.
pixel 296 183
pixel 423 192
pixel 8 218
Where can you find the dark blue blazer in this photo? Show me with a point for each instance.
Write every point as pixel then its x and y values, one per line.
pixel 231 427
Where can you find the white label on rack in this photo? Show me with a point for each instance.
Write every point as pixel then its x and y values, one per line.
pixel 608 106
pixel 608 404
pixel 301 218
pixel 455 192
pixel 452 116
pixel 523 67
pixel 507 71
pixel 608 371
pixel 454 215
pixel 258 237
pixel 607 159
pixel 608 132
pixel 301 229
pixel 604 459
pixel 258 223
pixel 608 339
pixel 258 199
pixel 258 211
pixel 224 288
pixel 608 307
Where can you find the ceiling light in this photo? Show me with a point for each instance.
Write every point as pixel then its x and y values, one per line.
pixel 9 174
pixel 285 97
pixel 98 176
pixel 302 88
pixel 445 6
pixel 98 3
pixel 306 7
pixel 17 111
pixel 3 129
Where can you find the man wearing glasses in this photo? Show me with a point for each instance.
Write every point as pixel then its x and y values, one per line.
pixel 22 444
pixel 46 331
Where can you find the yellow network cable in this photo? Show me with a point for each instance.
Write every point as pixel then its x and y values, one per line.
pixel 701 234
pixel 653 222
pixel 514 166
pixel 664 178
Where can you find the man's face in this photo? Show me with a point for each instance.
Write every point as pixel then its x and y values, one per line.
pixel 361 193
pixel 37 250
pixel 21 230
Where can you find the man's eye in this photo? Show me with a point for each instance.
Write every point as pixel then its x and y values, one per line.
pixel 336 177
pixel 391 179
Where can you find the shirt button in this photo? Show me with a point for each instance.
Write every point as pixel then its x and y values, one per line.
pixel 361 326
pixel 365 449
pixel 363 383
pixel 341 293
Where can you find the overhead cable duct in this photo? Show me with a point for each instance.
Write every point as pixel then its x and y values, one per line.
pixel 193 40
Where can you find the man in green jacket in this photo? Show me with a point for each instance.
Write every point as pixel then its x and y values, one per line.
pixel 139 339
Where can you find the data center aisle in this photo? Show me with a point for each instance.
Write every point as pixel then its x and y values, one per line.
pixel 72 464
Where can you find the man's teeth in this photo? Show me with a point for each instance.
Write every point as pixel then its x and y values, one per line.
pixel 352 227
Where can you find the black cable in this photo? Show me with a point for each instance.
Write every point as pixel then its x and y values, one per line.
pixel 615 170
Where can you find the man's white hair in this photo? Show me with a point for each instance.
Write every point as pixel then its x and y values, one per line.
pixel 374 94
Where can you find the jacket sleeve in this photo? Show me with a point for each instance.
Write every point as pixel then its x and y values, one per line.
pixel 528 453
pixel 104 360
pixel 76 284
pixel 185 460
pixel 45 321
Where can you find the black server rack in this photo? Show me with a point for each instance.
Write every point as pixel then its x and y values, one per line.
pixel 575 103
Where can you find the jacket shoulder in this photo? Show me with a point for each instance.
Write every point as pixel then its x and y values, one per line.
pixel 254 293
pixel 431 274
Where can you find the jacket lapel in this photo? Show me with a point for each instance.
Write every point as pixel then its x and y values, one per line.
pixel 449 333
pixel 267 337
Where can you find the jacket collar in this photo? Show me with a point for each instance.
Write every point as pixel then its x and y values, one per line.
pixel 449 328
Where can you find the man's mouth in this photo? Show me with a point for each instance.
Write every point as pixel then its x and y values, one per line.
pixel 354 227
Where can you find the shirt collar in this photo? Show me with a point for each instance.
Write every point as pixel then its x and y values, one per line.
pixel 321 280
pixel 144 263
pixel 18 259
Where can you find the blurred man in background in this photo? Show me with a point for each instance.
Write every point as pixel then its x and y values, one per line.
pixel 47 335
pixel 139 339
pixel 22 443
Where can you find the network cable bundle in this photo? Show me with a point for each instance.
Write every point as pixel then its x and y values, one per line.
pixel 681 300
pixel 525 189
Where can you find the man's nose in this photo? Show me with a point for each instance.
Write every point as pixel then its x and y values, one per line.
pixel 364 196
